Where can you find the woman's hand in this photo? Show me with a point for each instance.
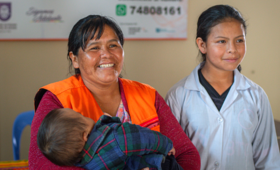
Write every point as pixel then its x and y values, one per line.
pixel 107 114
pixel 172 151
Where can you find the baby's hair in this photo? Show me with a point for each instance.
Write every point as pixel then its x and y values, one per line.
pixel 214 16
pixel 60 138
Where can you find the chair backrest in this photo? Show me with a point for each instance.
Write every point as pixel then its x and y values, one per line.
pixel 22 120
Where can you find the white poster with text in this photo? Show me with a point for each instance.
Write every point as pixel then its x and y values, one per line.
pixel 54 19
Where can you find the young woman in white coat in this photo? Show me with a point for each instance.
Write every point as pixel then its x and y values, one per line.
pixel 227 116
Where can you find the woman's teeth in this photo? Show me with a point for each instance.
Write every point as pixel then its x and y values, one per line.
pixel 106 65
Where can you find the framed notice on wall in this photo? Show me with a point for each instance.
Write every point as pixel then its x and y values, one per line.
pixel 54 19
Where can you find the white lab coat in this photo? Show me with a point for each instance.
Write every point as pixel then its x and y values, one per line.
pixel 241 136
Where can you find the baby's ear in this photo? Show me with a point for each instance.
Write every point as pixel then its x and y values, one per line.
pixel 85 136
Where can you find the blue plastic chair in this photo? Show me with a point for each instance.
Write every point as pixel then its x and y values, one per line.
pixel 21 121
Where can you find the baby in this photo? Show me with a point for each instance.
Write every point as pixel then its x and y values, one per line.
pixel 68 138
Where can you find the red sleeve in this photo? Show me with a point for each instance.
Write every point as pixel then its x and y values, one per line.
pixel 186 153
pixel 36 159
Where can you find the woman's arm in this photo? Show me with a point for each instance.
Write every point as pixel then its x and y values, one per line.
pixel 265 146
pixel 36 159
pixel 186 153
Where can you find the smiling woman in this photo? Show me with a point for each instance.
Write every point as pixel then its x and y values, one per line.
pixel 101 61
pixel 95 51
pixel 225 48
pixel 227 116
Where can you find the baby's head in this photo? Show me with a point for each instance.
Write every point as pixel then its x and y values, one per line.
pixel 62 136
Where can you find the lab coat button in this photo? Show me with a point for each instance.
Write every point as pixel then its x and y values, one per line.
pixel 220 119
pixel 216 164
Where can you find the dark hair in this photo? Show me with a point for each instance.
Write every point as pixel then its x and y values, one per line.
pixel 85 29
pixel 214 16
pixel 60 138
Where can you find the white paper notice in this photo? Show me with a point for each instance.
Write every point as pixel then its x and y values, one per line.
pixel 54 19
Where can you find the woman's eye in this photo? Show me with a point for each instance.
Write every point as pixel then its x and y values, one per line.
pixel 240 41
pixel 113 45
pixel 221 41
pixel 94 48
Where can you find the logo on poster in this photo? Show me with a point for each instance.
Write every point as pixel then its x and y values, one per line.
pixel 159 30
pixel 121 10
pixel 42 15
pixel 5 11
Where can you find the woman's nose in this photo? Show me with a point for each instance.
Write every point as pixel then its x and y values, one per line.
pixel 105 52
pixel 231 48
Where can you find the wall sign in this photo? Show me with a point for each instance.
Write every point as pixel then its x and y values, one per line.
pixel 53 20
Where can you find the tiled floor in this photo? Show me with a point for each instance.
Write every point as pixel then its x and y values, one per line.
pixel 277 126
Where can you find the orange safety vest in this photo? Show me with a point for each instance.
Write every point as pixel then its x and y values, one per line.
pixel 72 93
